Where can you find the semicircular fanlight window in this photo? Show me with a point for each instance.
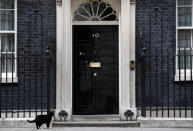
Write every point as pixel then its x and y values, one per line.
pixel 95 10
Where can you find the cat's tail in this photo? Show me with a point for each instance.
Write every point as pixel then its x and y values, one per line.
pixel 31 121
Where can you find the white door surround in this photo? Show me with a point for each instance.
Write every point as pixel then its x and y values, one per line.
pixel 126 54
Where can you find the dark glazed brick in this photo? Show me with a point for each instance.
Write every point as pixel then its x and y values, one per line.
pixel 33 39
pixel 161 36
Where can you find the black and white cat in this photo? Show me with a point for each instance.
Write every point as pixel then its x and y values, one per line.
pixel 42 119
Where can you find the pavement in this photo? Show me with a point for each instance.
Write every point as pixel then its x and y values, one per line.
pixel 97 129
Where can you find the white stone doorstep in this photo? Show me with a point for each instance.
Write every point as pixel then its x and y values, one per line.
pixel 165 122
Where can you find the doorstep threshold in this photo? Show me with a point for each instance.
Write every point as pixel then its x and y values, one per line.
pixel 96 124
pixel 95 118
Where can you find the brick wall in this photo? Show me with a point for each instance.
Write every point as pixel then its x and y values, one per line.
pixel 156 25
pixel 36 28
pixel 158 71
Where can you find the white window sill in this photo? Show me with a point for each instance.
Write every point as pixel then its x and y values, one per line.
pixel 183 77
pixel 9 80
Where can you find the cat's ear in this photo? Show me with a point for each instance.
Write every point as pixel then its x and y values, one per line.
pixel 53 112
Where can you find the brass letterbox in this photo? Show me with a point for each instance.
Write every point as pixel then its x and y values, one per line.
pixel 95 64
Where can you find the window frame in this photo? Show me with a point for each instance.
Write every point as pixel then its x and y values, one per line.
pixel 11 77
pixel 89 22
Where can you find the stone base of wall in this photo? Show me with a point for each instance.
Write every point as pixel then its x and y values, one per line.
pixel 165 122
pixel 142 122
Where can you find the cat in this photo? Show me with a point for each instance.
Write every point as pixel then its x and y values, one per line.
pixel 129 114
pixel 63 114
pixel 42 119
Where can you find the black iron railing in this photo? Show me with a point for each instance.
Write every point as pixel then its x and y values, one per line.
pixel 166 87
pixel 27 85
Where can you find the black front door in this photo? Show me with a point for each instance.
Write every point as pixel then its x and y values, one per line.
pixel 95 70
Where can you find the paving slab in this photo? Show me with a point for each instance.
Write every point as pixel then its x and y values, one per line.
pixel 98 129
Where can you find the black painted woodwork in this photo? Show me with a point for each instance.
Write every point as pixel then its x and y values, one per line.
pixel 95 95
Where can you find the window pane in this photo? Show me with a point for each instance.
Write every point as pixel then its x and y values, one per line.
pixel 7 42
pixel 8 63
pixel 184 59
pixel 185 16
pixel 80 18
pixel 95 5
pixel 88 8
pixel 111 17
pixel 7 4
pixel 184 2
pixel 184 38
pixel 82 11
pixel 7 20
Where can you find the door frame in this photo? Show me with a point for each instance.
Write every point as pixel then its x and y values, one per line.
pixel 126 54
